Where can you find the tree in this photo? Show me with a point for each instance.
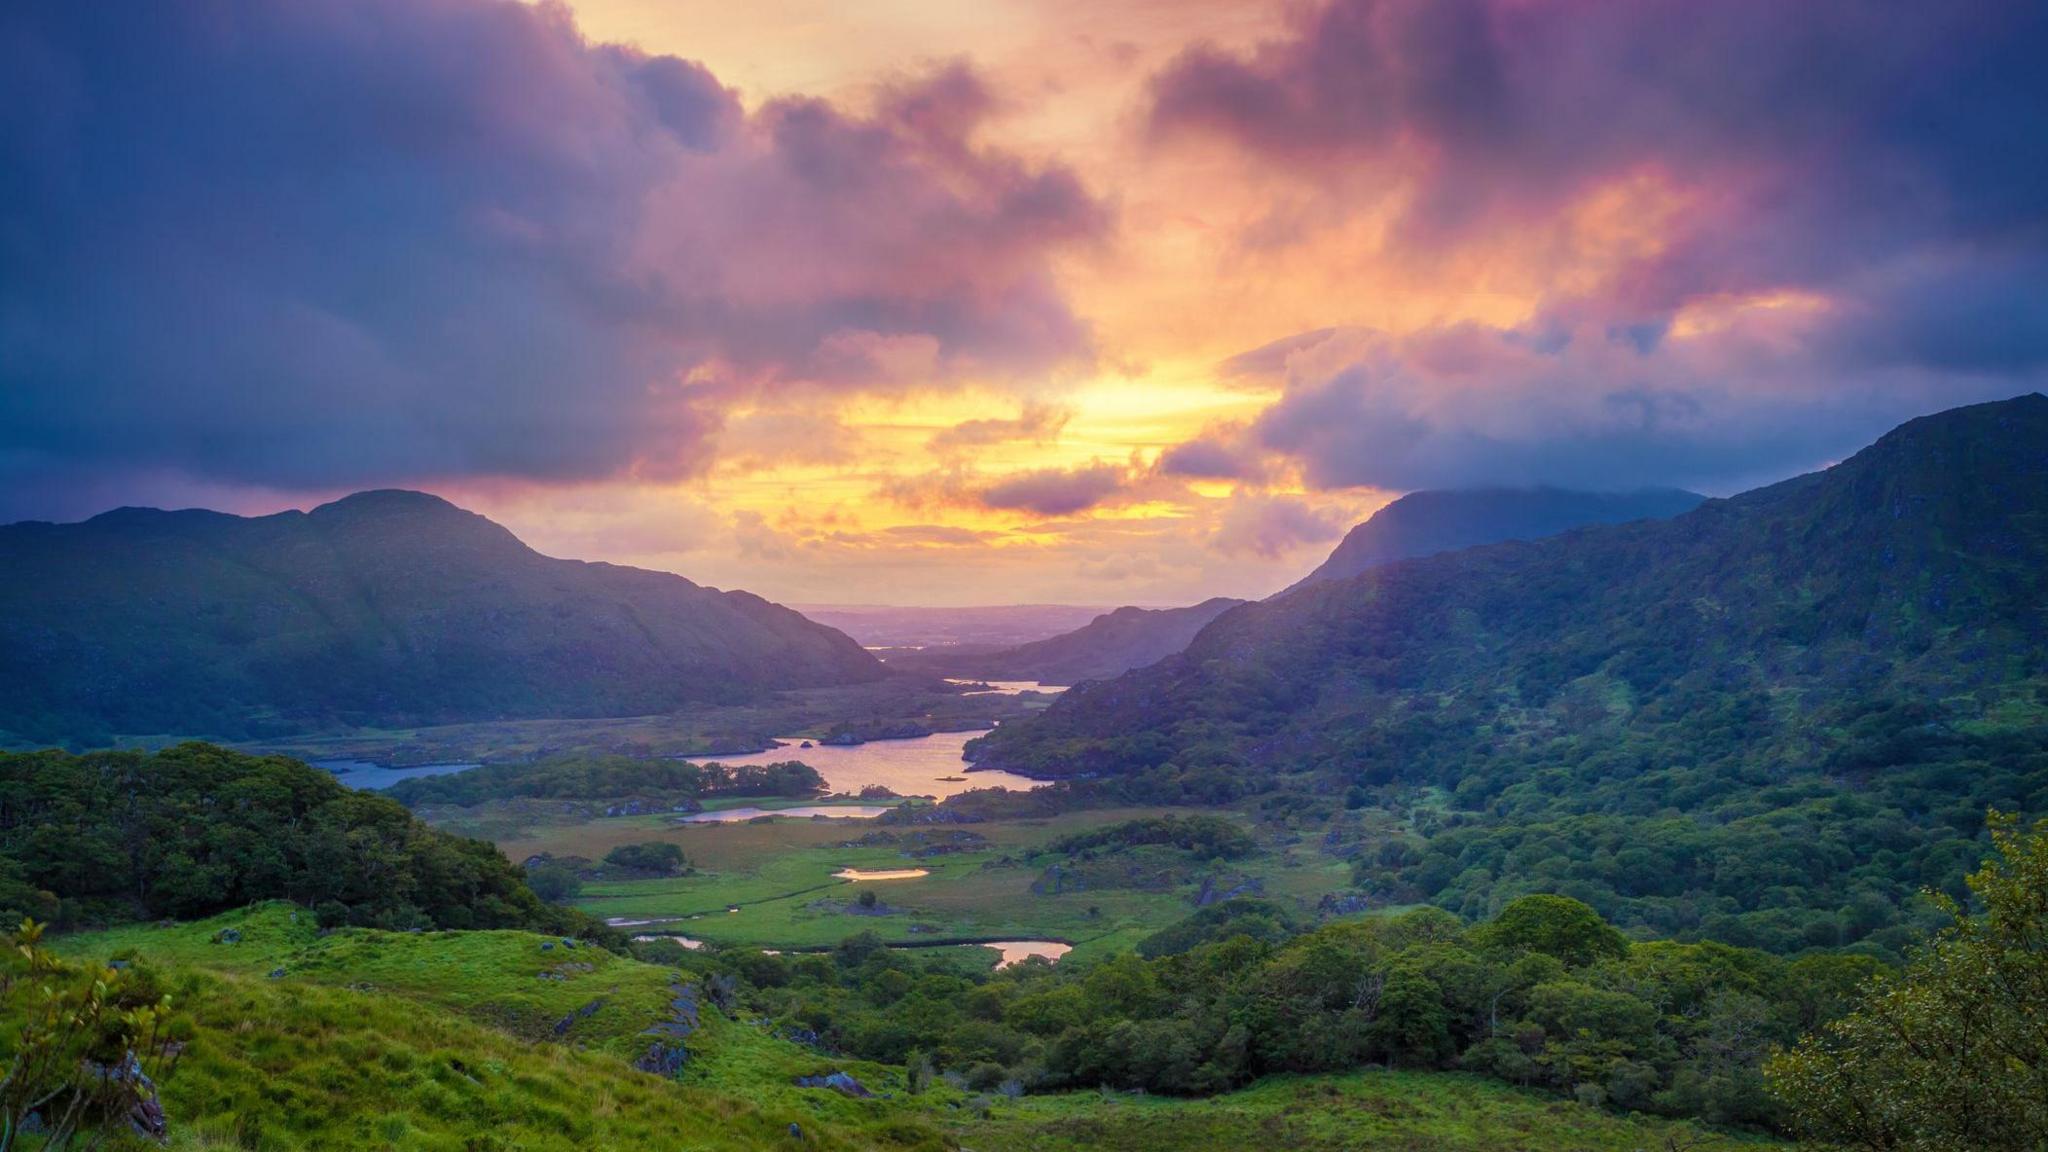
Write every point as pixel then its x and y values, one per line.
pixel 554 883
pixel 1556 926
pixel 654 856
pixel 1953 1052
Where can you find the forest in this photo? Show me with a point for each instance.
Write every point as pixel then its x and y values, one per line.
pixel 196 829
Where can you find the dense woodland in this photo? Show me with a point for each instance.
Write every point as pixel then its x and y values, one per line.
pixel 196 829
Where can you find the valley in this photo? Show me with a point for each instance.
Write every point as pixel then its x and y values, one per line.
pixel 1022 576
pixel 1280 884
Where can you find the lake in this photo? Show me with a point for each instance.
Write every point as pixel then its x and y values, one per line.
pixel 363 774
pixel 911 767
pixel 828 811
pixel 906 767
pixel 1011 687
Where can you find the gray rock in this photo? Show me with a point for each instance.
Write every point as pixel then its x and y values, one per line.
pixel 839 1082
pixel 663 1059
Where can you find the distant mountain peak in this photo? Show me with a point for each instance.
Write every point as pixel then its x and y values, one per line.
pixel 385 500
pixel 387 608
pixel 1452 519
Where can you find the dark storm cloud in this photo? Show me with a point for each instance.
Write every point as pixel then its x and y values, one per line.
pixel 1864 175
pixel 316 245
pixel 1474 406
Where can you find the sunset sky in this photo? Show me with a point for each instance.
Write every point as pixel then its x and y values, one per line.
pixel 907 301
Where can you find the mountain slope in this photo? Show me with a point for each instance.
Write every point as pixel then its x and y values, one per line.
pixel 1112 643
pixel 387 608
pixel 1912 569
pixel 1771 721
pixel 1426 523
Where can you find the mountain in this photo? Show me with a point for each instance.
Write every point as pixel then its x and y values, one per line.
pixel 384 608
pixel 1771 720
pixel 1915 568
pixel 1112 643
pixel 1426 523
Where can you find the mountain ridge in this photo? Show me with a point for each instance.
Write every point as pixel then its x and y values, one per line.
pixel 388 607
pixel 1427 623
pixel 1114 642
pixel 1446 520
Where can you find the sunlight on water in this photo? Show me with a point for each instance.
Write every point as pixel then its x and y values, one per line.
pixel 858 874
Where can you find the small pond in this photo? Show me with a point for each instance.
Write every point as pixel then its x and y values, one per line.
pixel 803 812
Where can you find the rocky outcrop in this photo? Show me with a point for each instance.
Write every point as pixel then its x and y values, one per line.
pixel 839 1082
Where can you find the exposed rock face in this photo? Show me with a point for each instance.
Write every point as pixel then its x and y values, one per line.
pixel 563 1025
pixel 839 1082
pixel 663 1059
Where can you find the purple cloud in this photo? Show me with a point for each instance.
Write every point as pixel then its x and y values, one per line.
pixel 1272 526
pixel 1853 233
pixel 1037 422
pixel 1056 491
pixel 310 246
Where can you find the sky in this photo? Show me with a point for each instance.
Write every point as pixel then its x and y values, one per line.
pixel 1024 301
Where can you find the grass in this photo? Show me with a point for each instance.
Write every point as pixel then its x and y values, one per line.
pixel 446 1040
pixel 1437 1112
pixel 780 875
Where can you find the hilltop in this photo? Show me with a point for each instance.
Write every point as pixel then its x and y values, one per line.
pixel 1429 522
pixel 386 608
pixel 1112 643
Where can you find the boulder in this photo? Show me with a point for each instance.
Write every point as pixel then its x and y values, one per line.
pixel 839 1082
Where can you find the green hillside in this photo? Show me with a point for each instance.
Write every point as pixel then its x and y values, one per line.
pixel 303 1039
pixel 385 608
pixel 1770 720
pixel 1426 523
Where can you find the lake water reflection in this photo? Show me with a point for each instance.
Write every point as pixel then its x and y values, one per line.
pixel 911 767
pixel 363 774
pixel 920 766
pixel 805 812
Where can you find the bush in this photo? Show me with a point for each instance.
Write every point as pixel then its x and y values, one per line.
pixel 655 856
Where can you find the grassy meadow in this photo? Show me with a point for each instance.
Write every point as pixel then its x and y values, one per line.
pixel 446 1041
pixel 780 875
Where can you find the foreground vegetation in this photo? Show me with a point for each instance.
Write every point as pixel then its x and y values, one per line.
pixel 196 828
pixel 1541 1028
pixel 446 1040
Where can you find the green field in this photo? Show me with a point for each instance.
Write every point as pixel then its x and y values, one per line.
pixel 779 874
pixel 445 1040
